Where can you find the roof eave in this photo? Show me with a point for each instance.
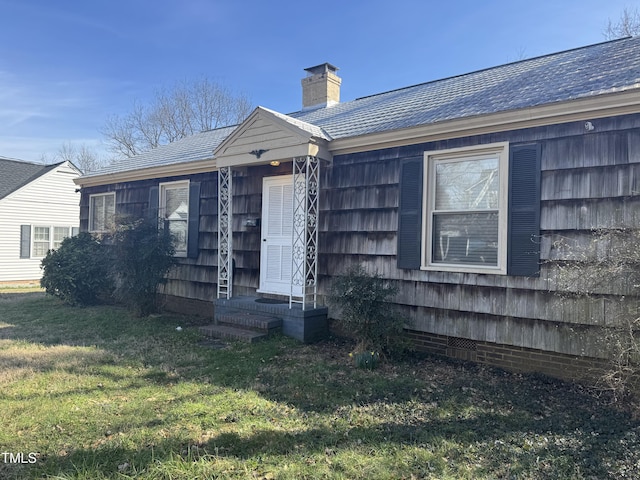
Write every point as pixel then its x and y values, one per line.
pixel 603 105
pixel 163 171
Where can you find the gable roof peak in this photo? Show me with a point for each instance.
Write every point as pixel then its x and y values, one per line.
pixel 15 173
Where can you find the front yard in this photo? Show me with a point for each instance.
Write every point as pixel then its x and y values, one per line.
pixel 94 393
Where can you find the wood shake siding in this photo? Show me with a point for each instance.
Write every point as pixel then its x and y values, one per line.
pixel 192 283
pixel 588 180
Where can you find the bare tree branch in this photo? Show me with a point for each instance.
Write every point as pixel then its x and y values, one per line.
pixel 175 113
pixel 628 25
pixel 82 156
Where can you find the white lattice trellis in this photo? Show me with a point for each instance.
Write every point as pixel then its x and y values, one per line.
pixel 225 247
pixel 306 175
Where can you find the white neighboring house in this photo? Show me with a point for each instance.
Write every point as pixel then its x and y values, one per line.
pixel 39 207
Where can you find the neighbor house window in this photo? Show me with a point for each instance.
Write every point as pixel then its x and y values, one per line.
pixel 102 210
pixel 41 241
pixel 174 213
pixel 46 238
pixel 59 234
pixel 465 228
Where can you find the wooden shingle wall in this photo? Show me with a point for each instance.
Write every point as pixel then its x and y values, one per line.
pixel 192 284
pixel 193 279
pixel 589 180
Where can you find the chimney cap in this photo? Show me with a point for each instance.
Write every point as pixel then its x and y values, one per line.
pixel 322 68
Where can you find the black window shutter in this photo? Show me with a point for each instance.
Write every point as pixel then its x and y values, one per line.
pixel 154 199
pixel 25 241
pixel 194 219
pixel 410 214
pixel 523 248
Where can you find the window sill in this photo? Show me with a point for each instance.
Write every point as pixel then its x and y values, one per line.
pixel 464 269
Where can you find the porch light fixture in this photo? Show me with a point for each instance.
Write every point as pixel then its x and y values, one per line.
pixel 274 163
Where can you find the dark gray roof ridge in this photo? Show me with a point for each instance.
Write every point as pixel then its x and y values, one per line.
pixel 481 70
pixel 15 174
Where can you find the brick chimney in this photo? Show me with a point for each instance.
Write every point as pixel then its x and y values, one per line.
pixel 321 86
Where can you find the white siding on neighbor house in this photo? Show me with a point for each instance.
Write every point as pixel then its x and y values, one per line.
pixel 49 201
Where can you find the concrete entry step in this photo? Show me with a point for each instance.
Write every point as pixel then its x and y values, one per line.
pixel 232 333
pixel 307 325
pixel 248 319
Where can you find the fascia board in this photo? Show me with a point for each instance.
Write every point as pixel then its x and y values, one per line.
pixel 186 168
pixel 607 105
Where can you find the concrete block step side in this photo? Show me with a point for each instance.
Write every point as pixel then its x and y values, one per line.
pixel 232 333
pixel 249 320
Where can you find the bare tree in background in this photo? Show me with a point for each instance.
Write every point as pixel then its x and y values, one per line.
pixel 82 156
pixel 175 113
pixel 628 25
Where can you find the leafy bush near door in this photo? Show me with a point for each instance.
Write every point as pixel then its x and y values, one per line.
pixel 142 257
pixel 367 312
pixel 128 264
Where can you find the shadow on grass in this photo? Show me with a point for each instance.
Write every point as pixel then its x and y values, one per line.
pixel 511 456
pixel 530 425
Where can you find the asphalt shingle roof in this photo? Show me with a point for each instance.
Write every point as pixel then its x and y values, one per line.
pixel 199 146
pixel 579 73
pixel 16 173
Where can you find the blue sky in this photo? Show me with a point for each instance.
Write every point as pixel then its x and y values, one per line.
pixel 66 66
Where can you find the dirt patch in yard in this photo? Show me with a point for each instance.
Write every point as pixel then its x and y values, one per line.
pixel 9 295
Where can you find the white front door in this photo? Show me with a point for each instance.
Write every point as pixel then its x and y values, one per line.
pixel 277 236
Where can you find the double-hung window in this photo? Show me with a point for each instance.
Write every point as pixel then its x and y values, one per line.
pixel 471 210
pixel 102 209
pixel 59 234
pixel 174 213
pixel 41 241
pixel 44 238
pixel 466 209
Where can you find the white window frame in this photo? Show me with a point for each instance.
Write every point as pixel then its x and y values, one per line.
pixel 51 229
pixel 53 235
pixel 34 241
pixel 162 197
pixel 499 150
pixel 106 221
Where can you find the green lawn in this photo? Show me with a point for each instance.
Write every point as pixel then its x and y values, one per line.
pixel 99 394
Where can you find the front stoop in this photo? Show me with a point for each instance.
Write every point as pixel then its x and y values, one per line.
pixel 245 314
pixel 242 325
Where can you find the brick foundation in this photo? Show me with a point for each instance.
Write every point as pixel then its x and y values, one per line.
pixel 515 359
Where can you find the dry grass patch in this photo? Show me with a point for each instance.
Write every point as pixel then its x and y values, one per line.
pixel 19 360
pixel 100 395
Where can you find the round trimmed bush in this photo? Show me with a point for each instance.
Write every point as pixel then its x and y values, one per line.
pixel 77 272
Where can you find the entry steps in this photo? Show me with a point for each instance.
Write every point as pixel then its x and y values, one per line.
pixel 233 323
pixel 249 319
